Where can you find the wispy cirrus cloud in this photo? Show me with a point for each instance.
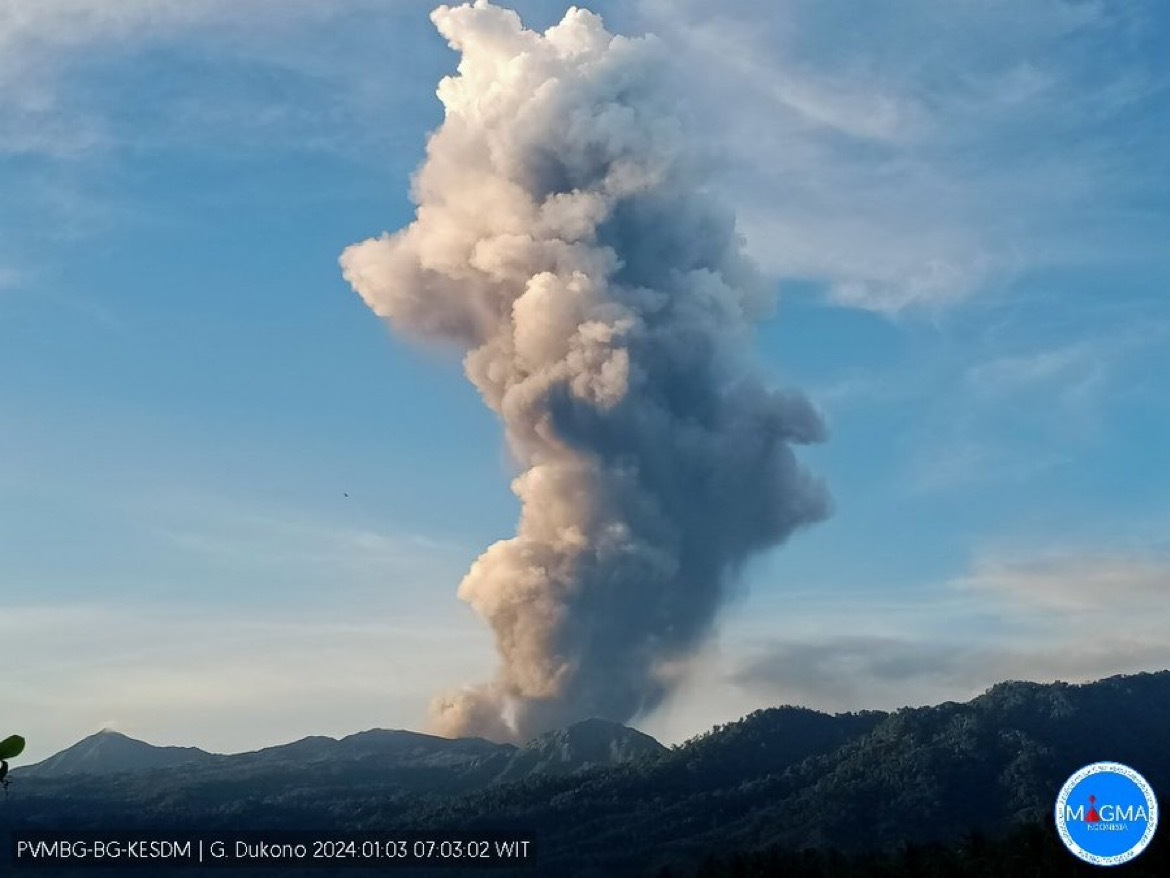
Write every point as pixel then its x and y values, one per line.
pixel 59 100
pixel 1015 411
pixel 1075 371
pixel 1076 584
pixel 311 558
pixel 966 463
pixel 951 149
pixel 43 41
pixel 910 155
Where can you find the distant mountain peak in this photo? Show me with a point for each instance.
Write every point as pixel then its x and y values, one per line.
pixel 110 752
pixel 591 725
pixel 107 732
pixel 588 743
pixel 597 725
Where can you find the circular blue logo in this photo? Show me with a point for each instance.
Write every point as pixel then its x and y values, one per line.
pixel 1106 813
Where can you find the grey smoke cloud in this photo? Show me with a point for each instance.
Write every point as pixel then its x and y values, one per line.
pixel 565 241
pixel 1060 613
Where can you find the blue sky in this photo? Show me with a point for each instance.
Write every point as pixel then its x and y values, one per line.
pixel 963 204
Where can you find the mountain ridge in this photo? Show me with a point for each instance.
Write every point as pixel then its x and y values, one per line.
pixel 587 743
pixel 786 777
pixel 108 751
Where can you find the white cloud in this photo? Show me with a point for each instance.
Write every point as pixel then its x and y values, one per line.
pixel 1067 615
pixel 1073 370
pixel 923 152
pixel 1073 377
pixel 50 49
pixel 31 31
pixel 953 147
pixel 1119 585
pixel 41 39
pixel 869 258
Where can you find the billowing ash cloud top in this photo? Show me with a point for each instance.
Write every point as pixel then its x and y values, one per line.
pixel 564 240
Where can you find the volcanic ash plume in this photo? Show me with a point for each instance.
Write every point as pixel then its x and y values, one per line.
pixel 563 239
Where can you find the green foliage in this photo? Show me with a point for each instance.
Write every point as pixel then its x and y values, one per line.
pixel 11 747
pixel 951 790
pixel 1029 851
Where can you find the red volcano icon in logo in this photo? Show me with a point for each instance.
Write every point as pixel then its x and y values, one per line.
pixel 1092 816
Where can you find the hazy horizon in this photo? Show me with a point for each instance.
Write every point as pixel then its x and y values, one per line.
pixel 238 507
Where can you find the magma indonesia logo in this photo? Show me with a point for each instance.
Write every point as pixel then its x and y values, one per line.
pixel 1106 813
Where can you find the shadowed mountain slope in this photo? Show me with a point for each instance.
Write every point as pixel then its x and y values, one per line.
pixel 605 799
